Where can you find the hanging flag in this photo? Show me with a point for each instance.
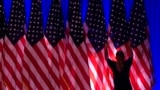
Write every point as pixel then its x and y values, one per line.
pixel 118 33
pixel 76 68
pixel 140 43
pixel 36 55
pixel 2 23
pixel 96 28
pixel 14 46
pixel 55 35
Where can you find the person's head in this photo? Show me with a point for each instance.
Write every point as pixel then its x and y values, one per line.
pixel 120 56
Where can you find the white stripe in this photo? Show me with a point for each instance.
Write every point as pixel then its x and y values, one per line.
pixel 140 84
pixel 92 84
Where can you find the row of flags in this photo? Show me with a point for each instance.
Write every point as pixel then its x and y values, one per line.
pixel 72 58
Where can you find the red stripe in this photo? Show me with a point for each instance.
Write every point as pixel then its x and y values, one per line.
pixel 1 46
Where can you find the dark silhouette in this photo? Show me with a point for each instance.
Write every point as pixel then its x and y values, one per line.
pixel 120 70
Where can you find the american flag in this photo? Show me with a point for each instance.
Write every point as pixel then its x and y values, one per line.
pixel 55 35
pixel 96 29
pixel 142 65
pixel 14 46
pixel 36 71
pixel 118 33
pixel 2 21
pixel 76 68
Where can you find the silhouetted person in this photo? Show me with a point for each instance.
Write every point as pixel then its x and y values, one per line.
pixel 120 69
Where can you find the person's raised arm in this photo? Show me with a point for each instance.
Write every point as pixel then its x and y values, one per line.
pixel 110 62
pixel 130 59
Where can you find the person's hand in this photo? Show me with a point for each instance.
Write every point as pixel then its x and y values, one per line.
pixel 106 50
pixel 130 45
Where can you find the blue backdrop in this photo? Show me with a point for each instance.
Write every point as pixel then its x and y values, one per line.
pixel 153 15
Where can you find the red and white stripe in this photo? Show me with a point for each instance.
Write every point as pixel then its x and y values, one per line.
pixel 37 67
pixel 13 55
pixel 53 55
pixel 98 69
pixel 142 63
pixel 76 66
pixel 1 59
pixel 62 55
